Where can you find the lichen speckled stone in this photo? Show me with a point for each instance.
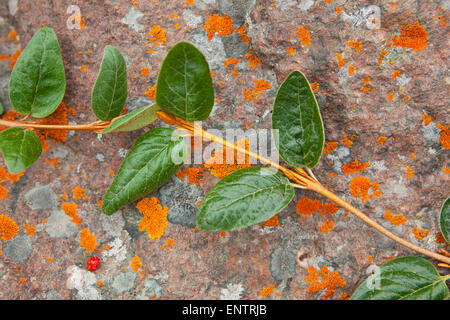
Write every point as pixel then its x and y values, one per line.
pixel 237 264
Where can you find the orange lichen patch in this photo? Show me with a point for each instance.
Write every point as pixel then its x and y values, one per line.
pixel 290 51
pixel 59 117
pixel 222 234
pixel 111 172
pixel 8 228
pixel 329 147
pixel 23 280
pixel 315 86
pixel 419 233
pixel 413 36
pixel 83 68
pixel 168 245
pixel 71 210
pixel 409 172
pixel 440 238
pixel 6 176
pixel 242 30
pixel 356 45
pixel 381 140
pixel 12 35
pixel 145 71
pixel 390 96
pixel 445 136
pixel 447 170
pixel 194 175
pixel 151 93
pixel 370 260
pixel 49 259
pixel 100 284
pixel 395 220
pixel 351 70
pixel 354 167
pixel 304 36
pixel 360 187
pixel 157 35
pixel 190 2
pixel 327 226
pixel 340 61
pixel 53 162
pixel 136 265
pixel 306 206
pixel 218 165
pixel 267 291
pixel 323 280
pixel 177 26
pixel 381 56
pixel 338 10
pixel 426 119
pixel 252 60
pixel 395 73
pixel 413 156
pixel 231 61
pixel 272 222
pixel 223 26
pixel 88 240
pixel 260 86
pixel 30 230
pixel 346 141
pixel 79 193
pixel 154 221
pixel 442 22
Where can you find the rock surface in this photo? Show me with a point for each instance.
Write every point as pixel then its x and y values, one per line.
pixel 410 166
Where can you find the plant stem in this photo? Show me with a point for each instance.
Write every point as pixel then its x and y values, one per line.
pixel 302 180
pixel 93 126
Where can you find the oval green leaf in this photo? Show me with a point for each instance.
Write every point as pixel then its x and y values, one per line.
pixel 20 148
pixel 135 120
pixel 110 90
pixel 184 86
pixel 406 278
pixel 445 220
pixel 297 124
pixel 154 158
pixel 38 81
pixel 244 198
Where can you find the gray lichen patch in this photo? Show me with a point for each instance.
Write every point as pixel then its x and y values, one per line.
pixel 41 197
pixel 19 248
pixel 124 281
pixel 59 225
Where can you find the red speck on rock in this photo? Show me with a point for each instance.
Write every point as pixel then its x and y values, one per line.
pixel 93 263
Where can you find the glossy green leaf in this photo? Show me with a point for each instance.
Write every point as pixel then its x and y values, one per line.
pixel 2 108
pixel 154 158
pixel 184 86
pixel 20 148
pixel 135 120
pixel 243 198
pixel 297 124
pixel 38 81
pixel 110 90
pixel 445 220
pixel 406 278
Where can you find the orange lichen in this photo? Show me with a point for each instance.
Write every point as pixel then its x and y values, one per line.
pixel 381 140
pixel 290 51
pixel 304 36
pixel 23 280
pixel 8 228
pixel 356 45
pixel 154 221
pixel 88 240
pixel 267 291
pixel 327 226
pixel 351 70
pixel 168 245
pixel 381 56
pixel 194 175
pixel 328 281
pixel 420 233
pixel 390 96
pixel 346 141
pixel 409 172
pixel 306 206
pixel 59 117
pixel 151 93
pixel 440 238
pixel 329 147
pixel 79 193
pixel 100 284
pixel 49 259
pixel 30 230
pixel 252 60
pixel 338 10
pixel 218 165
pixel 83 68
pixel 340 61
pixel 157 35
pixel 260 86
pixel 272 222
pixel 395 220
pixel 413 36
pixel 354 167
pixel 426 119
pixel 395 73
pixel 145 71
pixel 315 86
pixel 71 210
pixel 190 2
pixel 447 170
pixel 136 265
pixel 360 187
pixel 242 30
pixel 223 26
pixel 445 136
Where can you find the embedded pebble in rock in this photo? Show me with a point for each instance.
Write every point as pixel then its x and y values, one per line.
pixel 59 225
pixel 41 197
pixel 19 248
pixel 124 281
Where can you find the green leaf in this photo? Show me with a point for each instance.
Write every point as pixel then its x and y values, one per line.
pixel 297 124
pixel 154 158
pixel 38 81
pixel 20 148
pixel 2 108
pixel 445 220
pixel 135 120
pixel 184 86
pixel 110 89
pixel 406 278
pixel 243 198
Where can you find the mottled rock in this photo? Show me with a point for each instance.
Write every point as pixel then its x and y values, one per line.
pixel 152 289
